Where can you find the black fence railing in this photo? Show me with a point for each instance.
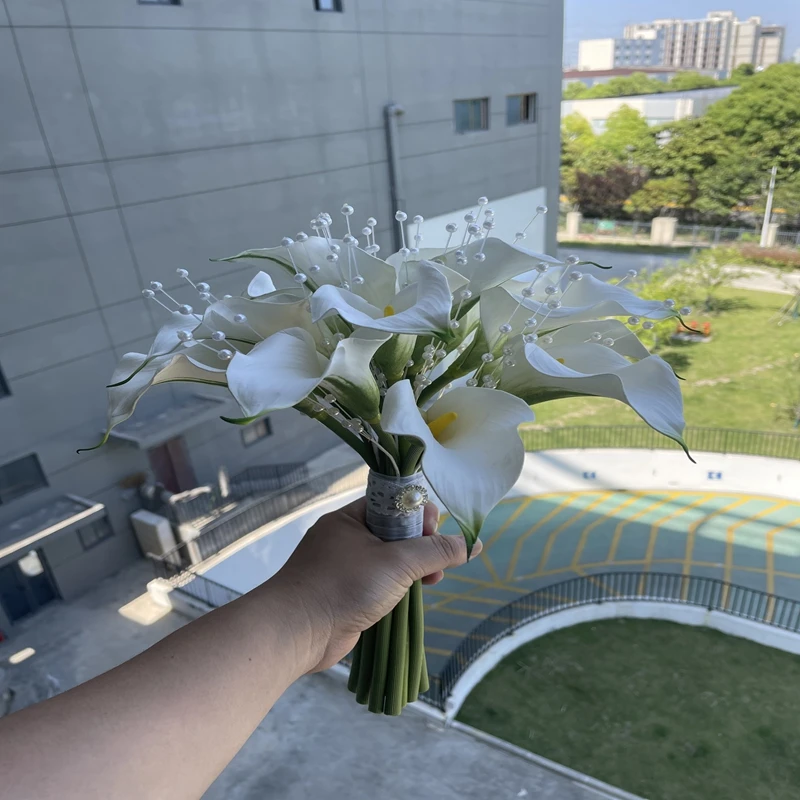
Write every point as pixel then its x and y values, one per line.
pixel 208 502
pixel 708 440
pixel 254 512
pixel 709 593
pixel 693 590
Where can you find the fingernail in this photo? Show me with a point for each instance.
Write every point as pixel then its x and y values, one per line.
pixel 477 548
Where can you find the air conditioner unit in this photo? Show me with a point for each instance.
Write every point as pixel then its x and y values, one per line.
pixel 153 532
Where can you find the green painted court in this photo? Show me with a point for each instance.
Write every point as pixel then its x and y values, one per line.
pixel 529 543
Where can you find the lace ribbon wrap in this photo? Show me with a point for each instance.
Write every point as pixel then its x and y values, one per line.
pixel 395 506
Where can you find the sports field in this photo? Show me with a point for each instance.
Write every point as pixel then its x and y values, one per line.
pixel 749 540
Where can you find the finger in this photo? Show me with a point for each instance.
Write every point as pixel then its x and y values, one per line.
pixel 430 523
pixel 430 554
pixel 433 578
pixel 357 510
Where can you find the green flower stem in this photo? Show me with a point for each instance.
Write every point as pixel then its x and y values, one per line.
pixel 396 688
pixel 424 680
pixel 411 455
pixel 352 681
pixel 366 658
pixel 416 641
pixel 380 665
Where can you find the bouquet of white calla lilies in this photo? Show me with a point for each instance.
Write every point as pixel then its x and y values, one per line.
pixel 426 364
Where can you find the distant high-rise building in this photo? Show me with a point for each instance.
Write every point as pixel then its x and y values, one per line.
pixel 719 42
pixel 796 58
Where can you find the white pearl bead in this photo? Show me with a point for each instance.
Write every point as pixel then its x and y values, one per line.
pixel 401 216
pixel 632 273
pixel 286 241
pixel 608 341
pixel 455 325
pixel 573 260
pixel 479 257
pixel 372 222
pixel 314 268
pixel 418 220
pixel 686 310
pixel 472 382
pixel 482 201
pixel 669 304
pixel 358 280
pixel 182 273
pixel 366 231
pixel 301 237
pixel 218 336
pixel 575 276
pixel 541 209
pixel 541 267
pixel 633 320
pixel 185 336
pixel 648 326
pixel 529 338
pixel 148 293
pixel 156 286
pixel 332 257
pixel 505 328
pixel 240 319
pixel 520 235
pixel 487 358
pixel 451 227
pixel 596 336
pixel 203 287
pixel 300 278
pixel 550 290
pixel 224 355
pixel 347 209
pixel 527 292
pixel 185 309
pixel 205 296
pixel 466 294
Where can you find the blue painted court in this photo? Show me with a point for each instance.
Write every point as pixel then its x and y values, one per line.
pixel 749 540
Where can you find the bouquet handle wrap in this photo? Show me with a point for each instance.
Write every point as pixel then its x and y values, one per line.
pixel 388 668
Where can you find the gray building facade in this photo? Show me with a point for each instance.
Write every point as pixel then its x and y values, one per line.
pixel 139 137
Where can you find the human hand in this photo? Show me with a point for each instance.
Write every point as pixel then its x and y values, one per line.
pixel 345 579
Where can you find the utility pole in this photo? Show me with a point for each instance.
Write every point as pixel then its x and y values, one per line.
pixel 768 211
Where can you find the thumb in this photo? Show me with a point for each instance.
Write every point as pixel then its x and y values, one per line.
pixel 429 554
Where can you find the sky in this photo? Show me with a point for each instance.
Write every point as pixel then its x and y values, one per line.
pixel 599 19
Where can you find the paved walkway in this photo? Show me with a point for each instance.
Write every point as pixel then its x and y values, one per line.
pixel 529 543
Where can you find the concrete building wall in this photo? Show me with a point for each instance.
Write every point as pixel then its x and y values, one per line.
pixel 769 49
pixel 138 138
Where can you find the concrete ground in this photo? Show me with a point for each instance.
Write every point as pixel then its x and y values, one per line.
pixel 315 743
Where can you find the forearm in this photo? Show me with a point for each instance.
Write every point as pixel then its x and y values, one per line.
pixel 169 721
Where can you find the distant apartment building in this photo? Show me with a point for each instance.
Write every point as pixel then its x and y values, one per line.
pixel 592 77
pixel 142 137
pixel 720 41
pixel 604 54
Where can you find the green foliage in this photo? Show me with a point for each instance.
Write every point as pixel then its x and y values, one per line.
pixel 687 81
pixel 574 90
pixel 658 196
pixel 720 161
pixel 603 194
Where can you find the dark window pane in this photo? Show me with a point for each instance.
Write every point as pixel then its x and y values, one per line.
pixel 19 477
pixel 328 5
pixel 472 115
pixel 4 390
pixel 514 109
pixel 94 533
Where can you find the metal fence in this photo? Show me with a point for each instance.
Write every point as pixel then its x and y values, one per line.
pixel 708 440
pixel 208 502
pixel 710 593
pixel 255 512
pixel 688 235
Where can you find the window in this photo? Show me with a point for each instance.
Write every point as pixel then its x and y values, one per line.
pixel 328 5
pixel 472 115
pixel 20 477
pixel 4 390
pixel 160 2
pixel 95 532
pixel 256 431
pixel 520 108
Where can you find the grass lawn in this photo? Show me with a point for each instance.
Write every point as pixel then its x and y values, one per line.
pixel 744 342
pixel 662 710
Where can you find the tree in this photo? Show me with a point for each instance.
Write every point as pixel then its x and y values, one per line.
pixel 658 196
pixel 575 90
pixel 627 137
pixel 624 86
pixel 708 271
pixel 577 137
pixel 763 115
pixel 604 194
pixel 741 74
pixel 687 81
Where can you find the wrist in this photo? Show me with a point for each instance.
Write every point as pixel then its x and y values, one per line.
pixel 303 624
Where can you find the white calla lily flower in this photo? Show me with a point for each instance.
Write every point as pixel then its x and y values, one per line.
pixel 549 372
pixel 369 277
pixel 421 308
pixel 285 368
pixel 136 373
pixel 262 284
pixel 590 298
pixel 473 452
